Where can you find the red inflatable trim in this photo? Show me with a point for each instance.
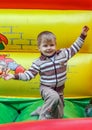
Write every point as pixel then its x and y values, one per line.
pixel 58 124
pixel 47 4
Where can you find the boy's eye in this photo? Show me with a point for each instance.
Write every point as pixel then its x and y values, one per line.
pixel 44 45
pixel 51 44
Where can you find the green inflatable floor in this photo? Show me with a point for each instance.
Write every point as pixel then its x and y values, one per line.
pixel 19 109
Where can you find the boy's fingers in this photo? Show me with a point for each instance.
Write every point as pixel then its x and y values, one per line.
pixel 7 71
pixel 86 28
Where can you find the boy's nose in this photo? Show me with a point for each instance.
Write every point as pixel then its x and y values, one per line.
pixel 48 47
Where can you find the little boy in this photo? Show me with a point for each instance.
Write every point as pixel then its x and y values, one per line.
pixel 52 67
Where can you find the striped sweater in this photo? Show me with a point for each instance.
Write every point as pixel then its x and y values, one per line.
pixel 52 72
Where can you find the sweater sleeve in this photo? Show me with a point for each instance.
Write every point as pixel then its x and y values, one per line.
pixel 75 47
pixel 28 74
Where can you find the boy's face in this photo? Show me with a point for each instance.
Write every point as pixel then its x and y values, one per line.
pixel 47 48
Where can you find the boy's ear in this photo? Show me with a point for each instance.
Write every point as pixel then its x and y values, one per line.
pixel 38 48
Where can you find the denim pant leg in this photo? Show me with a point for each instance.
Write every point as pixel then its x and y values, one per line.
pixel 61 107
pixel 59 110
pixel 51 102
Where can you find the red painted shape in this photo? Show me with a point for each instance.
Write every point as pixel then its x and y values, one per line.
pixel 3 39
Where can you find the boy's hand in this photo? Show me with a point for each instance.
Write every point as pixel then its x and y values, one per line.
pixel 85 30
pixel 8 76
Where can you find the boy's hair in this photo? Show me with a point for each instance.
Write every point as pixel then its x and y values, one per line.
pixel 45 36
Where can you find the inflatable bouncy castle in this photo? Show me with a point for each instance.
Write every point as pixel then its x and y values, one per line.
pixel 20 23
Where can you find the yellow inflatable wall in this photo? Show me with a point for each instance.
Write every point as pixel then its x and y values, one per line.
pixel 21 27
